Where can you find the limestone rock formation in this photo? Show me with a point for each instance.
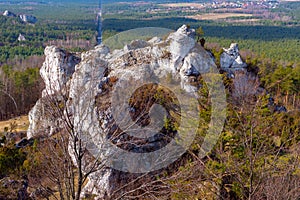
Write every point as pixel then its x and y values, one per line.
pixel 28 18
pixel 231 60
pixel 89 84
pixel 21 38
pixel 56 71
pixel 7 13
pixel 25 18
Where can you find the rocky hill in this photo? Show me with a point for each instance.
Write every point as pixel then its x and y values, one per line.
pixel 138 99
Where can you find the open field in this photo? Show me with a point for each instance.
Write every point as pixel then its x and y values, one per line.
pixel 243 20
pixel 179 5
pixel 20 124
pixel 216 16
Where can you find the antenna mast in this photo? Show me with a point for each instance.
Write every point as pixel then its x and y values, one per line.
pixel 99 23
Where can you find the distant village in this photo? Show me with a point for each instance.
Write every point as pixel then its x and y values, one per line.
pixel 243 4
pixel 256 10
pixel 260 4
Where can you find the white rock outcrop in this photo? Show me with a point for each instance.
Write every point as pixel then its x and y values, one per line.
pixel 56 71
pixel 231 60
pixel 25 18
pixel 181 42
pixel 88 84
pixel 21 38
pixel 28 18
pixel 8 13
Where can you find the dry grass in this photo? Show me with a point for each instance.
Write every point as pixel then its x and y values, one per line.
pixel 216 16
pixel 21 123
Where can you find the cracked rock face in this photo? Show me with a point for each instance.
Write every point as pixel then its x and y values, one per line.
pixel 56 71
pixel 90 83
pixel 231 60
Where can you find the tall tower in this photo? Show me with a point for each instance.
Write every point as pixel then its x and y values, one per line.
pixel 99 23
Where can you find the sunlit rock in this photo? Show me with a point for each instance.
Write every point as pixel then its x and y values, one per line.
pixel 7 13
pixel 28 18
pixel 231 60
